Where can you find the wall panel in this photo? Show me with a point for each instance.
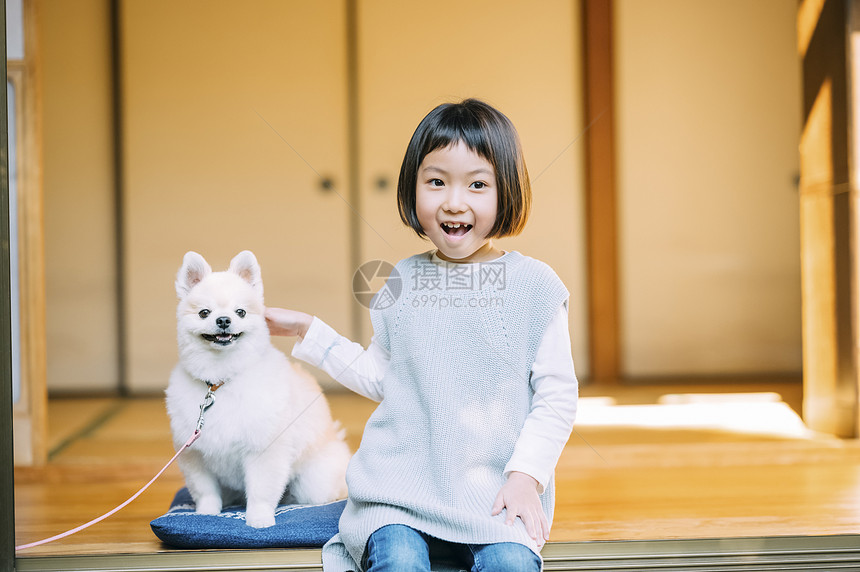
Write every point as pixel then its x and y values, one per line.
pixel 708 104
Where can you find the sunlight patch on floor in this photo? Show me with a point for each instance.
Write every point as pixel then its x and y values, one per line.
pixel 746 413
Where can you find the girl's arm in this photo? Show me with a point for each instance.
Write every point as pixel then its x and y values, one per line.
pixel 550 421
pixel 545 431
pixel 347 362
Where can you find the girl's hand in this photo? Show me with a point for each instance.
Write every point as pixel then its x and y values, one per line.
pixel 520 497
pixel 283 322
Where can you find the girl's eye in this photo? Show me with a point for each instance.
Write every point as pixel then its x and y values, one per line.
pixel 478 185
pixel 203 314
pixel 436 182
pixel 240 312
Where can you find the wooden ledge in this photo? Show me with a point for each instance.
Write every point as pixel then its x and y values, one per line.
pixel 755 553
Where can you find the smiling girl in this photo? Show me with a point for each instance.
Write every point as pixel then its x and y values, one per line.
pixel 476 399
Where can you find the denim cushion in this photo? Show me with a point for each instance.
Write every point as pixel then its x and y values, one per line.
pixel 295 526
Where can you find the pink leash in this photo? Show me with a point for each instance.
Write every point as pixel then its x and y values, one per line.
pixel 207 403
pixel 117 509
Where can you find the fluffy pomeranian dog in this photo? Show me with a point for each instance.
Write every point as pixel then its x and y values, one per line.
pixel 269 437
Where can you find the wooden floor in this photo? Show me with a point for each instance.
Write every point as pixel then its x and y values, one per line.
pixel 645 463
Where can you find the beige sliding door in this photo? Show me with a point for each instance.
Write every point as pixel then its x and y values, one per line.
pixel 522 58
pixel 233 113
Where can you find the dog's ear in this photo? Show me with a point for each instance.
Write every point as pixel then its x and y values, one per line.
pixel 194 269
pixel 245 265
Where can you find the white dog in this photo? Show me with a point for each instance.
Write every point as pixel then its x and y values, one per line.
pixel 268 437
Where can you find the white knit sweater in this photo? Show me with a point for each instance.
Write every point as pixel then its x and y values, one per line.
pixel 455 362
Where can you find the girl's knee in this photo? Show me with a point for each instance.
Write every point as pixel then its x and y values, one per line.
pixel 397 548
pixel 505 557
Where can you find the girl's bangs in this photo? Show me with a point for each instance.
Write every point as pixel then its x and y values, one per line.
pixel 454 131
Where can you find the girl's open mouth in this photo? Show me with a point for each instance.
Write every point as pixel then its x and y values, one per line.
pixel 456 228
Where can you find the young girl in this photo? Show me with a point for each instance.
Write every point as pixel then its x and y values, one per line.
pixel 470 361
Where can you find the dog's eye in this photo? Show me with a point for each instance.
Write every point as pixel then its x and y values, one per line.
pixel 203 314
pixel 241 313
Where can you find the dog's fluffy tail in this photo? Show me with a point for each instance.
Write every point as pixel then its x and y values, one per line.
pixel 338 430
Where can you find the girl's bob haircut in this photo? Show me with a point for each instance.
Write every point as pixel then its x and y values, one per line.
pixel 490 134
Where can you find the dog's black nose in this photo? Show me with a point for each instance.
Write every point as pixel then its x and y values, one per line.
pixel 223 322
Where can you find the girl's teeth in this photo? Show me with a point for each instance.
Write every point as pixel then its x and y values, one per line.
pixel 456 229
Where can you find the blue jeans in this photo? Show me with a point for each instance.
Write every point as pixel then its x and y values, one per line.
pixel 399 548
